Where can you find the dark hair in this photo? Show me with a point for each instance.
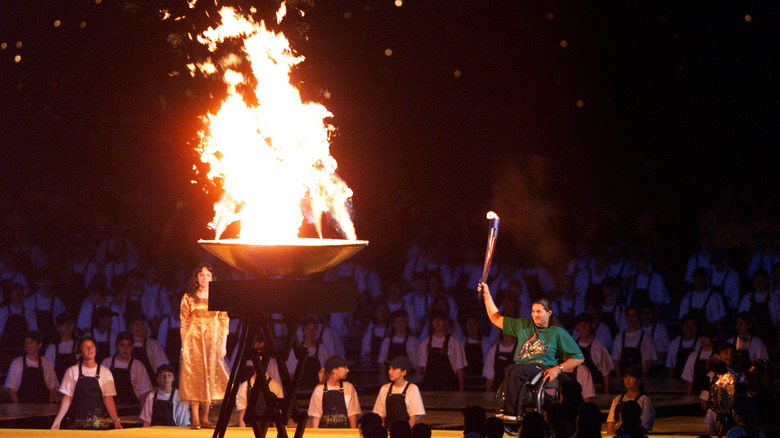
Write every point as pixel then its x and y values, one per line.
pixel 423 430
pixel 534 426
pixel 474 419
pixel 369 419
pixel 544 302
pixel 192 287
pixel 400 429
pixel 631 424
pixel 589 421
pixel 761 272
pixel 583 317
pixel 81 342
pixel 494 428
pixel 374 431
pixel 556 417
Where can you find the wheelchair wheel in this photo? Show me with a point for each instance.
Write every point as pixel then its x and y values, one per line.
pixel 512 429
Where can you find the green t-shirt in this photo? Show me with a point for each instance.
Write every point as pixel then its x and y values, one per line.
pixel 547 348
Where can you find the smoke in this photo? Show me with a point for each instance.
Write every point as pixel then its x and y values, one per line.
pixel 531 220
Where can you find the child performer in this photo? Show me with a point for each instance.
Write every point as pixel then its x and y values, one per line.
pixel 399 399
pixel 163 407
pixel 632 378
pixel 334 403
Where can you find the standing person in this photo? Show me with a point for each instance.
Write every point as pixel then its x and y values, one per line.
pixel 399 399
pixel 88 393
pixel 45 306
pixel 31 378
pixel 163 407
pixel 15 321
pixel 476 347
pixel 316 355
pixel 695 370
pixel 748 347
pixel 542 346
pixel 441 357
pixel 764 305
pixel 169 334
pixel 400 342
pixel 204 375
pixel 334 403
pixel 635 387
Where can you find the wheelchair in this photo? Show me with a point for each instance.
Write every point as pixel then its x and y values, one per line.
pixel 536 395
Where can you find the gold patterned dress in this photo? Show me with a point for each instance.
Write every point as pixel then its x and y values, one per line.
pixel 203 373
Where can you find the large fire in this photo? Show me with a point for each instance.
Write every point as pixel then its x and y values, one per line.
pixel 271 159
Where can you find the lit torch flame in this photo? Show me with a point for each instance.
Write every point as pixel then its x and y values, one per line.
pixel 271 159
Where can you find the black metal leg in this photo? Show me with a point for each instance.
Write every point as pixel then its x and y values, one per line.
pixel 229 401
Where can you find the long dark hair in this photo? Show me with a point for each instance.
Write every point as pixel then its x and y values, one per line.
pixel 544 302
pixel 192 286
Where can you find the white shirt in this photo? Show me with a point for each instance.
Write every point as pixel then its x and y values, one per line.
pixel 71 376
pixel 648 413
pixel 647 349
pixel 697 260
pixel 241 396
pixel 138 375
pixel 601 333
pixel 88 268
pixel 412 343
pixel 29 317
pixel 329 339
pixel 674 347
pixel 654 283
pixel 371 331
pixel 45 304
pixel 687 373
pixel 84 321
pixel 350 399
pixel 660 336
pixel 181 411
pixel 455 351
pixel 714 311
pixel 600 356
pixel 156 295
pixel 489 369
pixel 154 351
pixel 729 279
pixel 774 305
pixel 413 399
pixel 14 377
pixel 322 356
pixel 585 278
pixel 756 349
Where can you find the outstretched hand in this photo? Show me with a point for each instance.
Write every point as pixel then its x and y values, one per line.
pixel 552 373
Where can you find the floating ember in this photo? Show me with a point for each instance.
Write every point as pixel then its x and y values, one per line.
pixel 271 159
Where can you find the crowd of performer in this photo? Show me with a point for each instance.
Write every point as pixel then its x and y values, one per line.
pixel 146 337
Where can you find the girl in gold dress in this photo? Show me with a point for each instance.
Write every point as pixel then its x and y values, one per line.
pixel 204 373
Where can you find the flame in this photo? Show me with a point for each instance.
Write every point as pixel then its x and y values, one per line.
pixel 271 159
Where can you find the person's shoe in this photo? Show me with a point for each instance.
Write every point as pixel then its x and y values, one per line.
pixel 208 425
pixel 195 427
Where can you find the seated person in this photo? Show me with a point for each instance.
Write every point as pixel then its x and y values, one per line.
pixel 747 346
pixel 695 370
pixel 62 351
pixel 542 346
pixel 399 399
pixel 632 378
pixel 31 377
pixel 334 403
pixel 633 346
pixel 317 354
pixel 631 427
pixel 476 347
pixel 145 349
pixel 130 378
pixel 242 396
pixel 723 354
pixel 597 357
pixel 163 407
pixel 400 341
pixel 88 393
pixel 377 331
pixel 682 346
pixel 498 358
pixel 441 356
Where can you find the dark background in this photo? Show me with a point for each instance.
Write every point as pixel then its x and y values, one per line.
pixel 576 121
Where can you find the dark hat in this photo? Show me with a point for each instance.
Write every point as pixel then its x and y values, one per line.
pixel 62 318
pixel 334 362
pixel 583 317
pixel 308 320
pixel 165 368
pixel 102 311
pixel 34 335
pixel 401 363
pixel 718 255
pixel 124 336
pixel 441 314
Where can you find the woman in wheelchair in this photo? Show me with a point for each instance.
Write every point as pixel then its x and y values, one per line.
pixel 543 347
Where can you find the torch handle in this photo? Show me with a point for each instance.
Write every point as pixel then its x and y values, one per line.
pixel 492 236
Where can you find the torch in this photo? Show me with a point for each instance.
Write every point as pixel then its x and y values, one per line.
pixel 491 244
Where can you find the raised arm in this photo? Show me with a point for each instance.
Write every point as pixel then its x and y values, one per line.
pixel 490 306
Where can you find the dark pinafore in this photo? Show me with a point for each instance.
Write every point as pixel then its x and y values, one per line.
pixel 162 410
pixel 125 394
pixel 501 360
pixel 439 374
pixel 396 349
pixel 139 353
pixel 395 405
pixel 474 359
pixel 594 370
pixel 32 388
pixel 87 410
pixel 334 408
pixel 682 356
pixel 63 361
pixel 631 355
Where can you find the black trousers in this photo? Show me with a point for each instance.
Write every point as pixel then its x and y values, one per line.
pixel 514 378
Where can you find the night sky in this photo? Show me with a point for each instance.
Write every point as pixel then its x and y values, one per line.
pixel 567 104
